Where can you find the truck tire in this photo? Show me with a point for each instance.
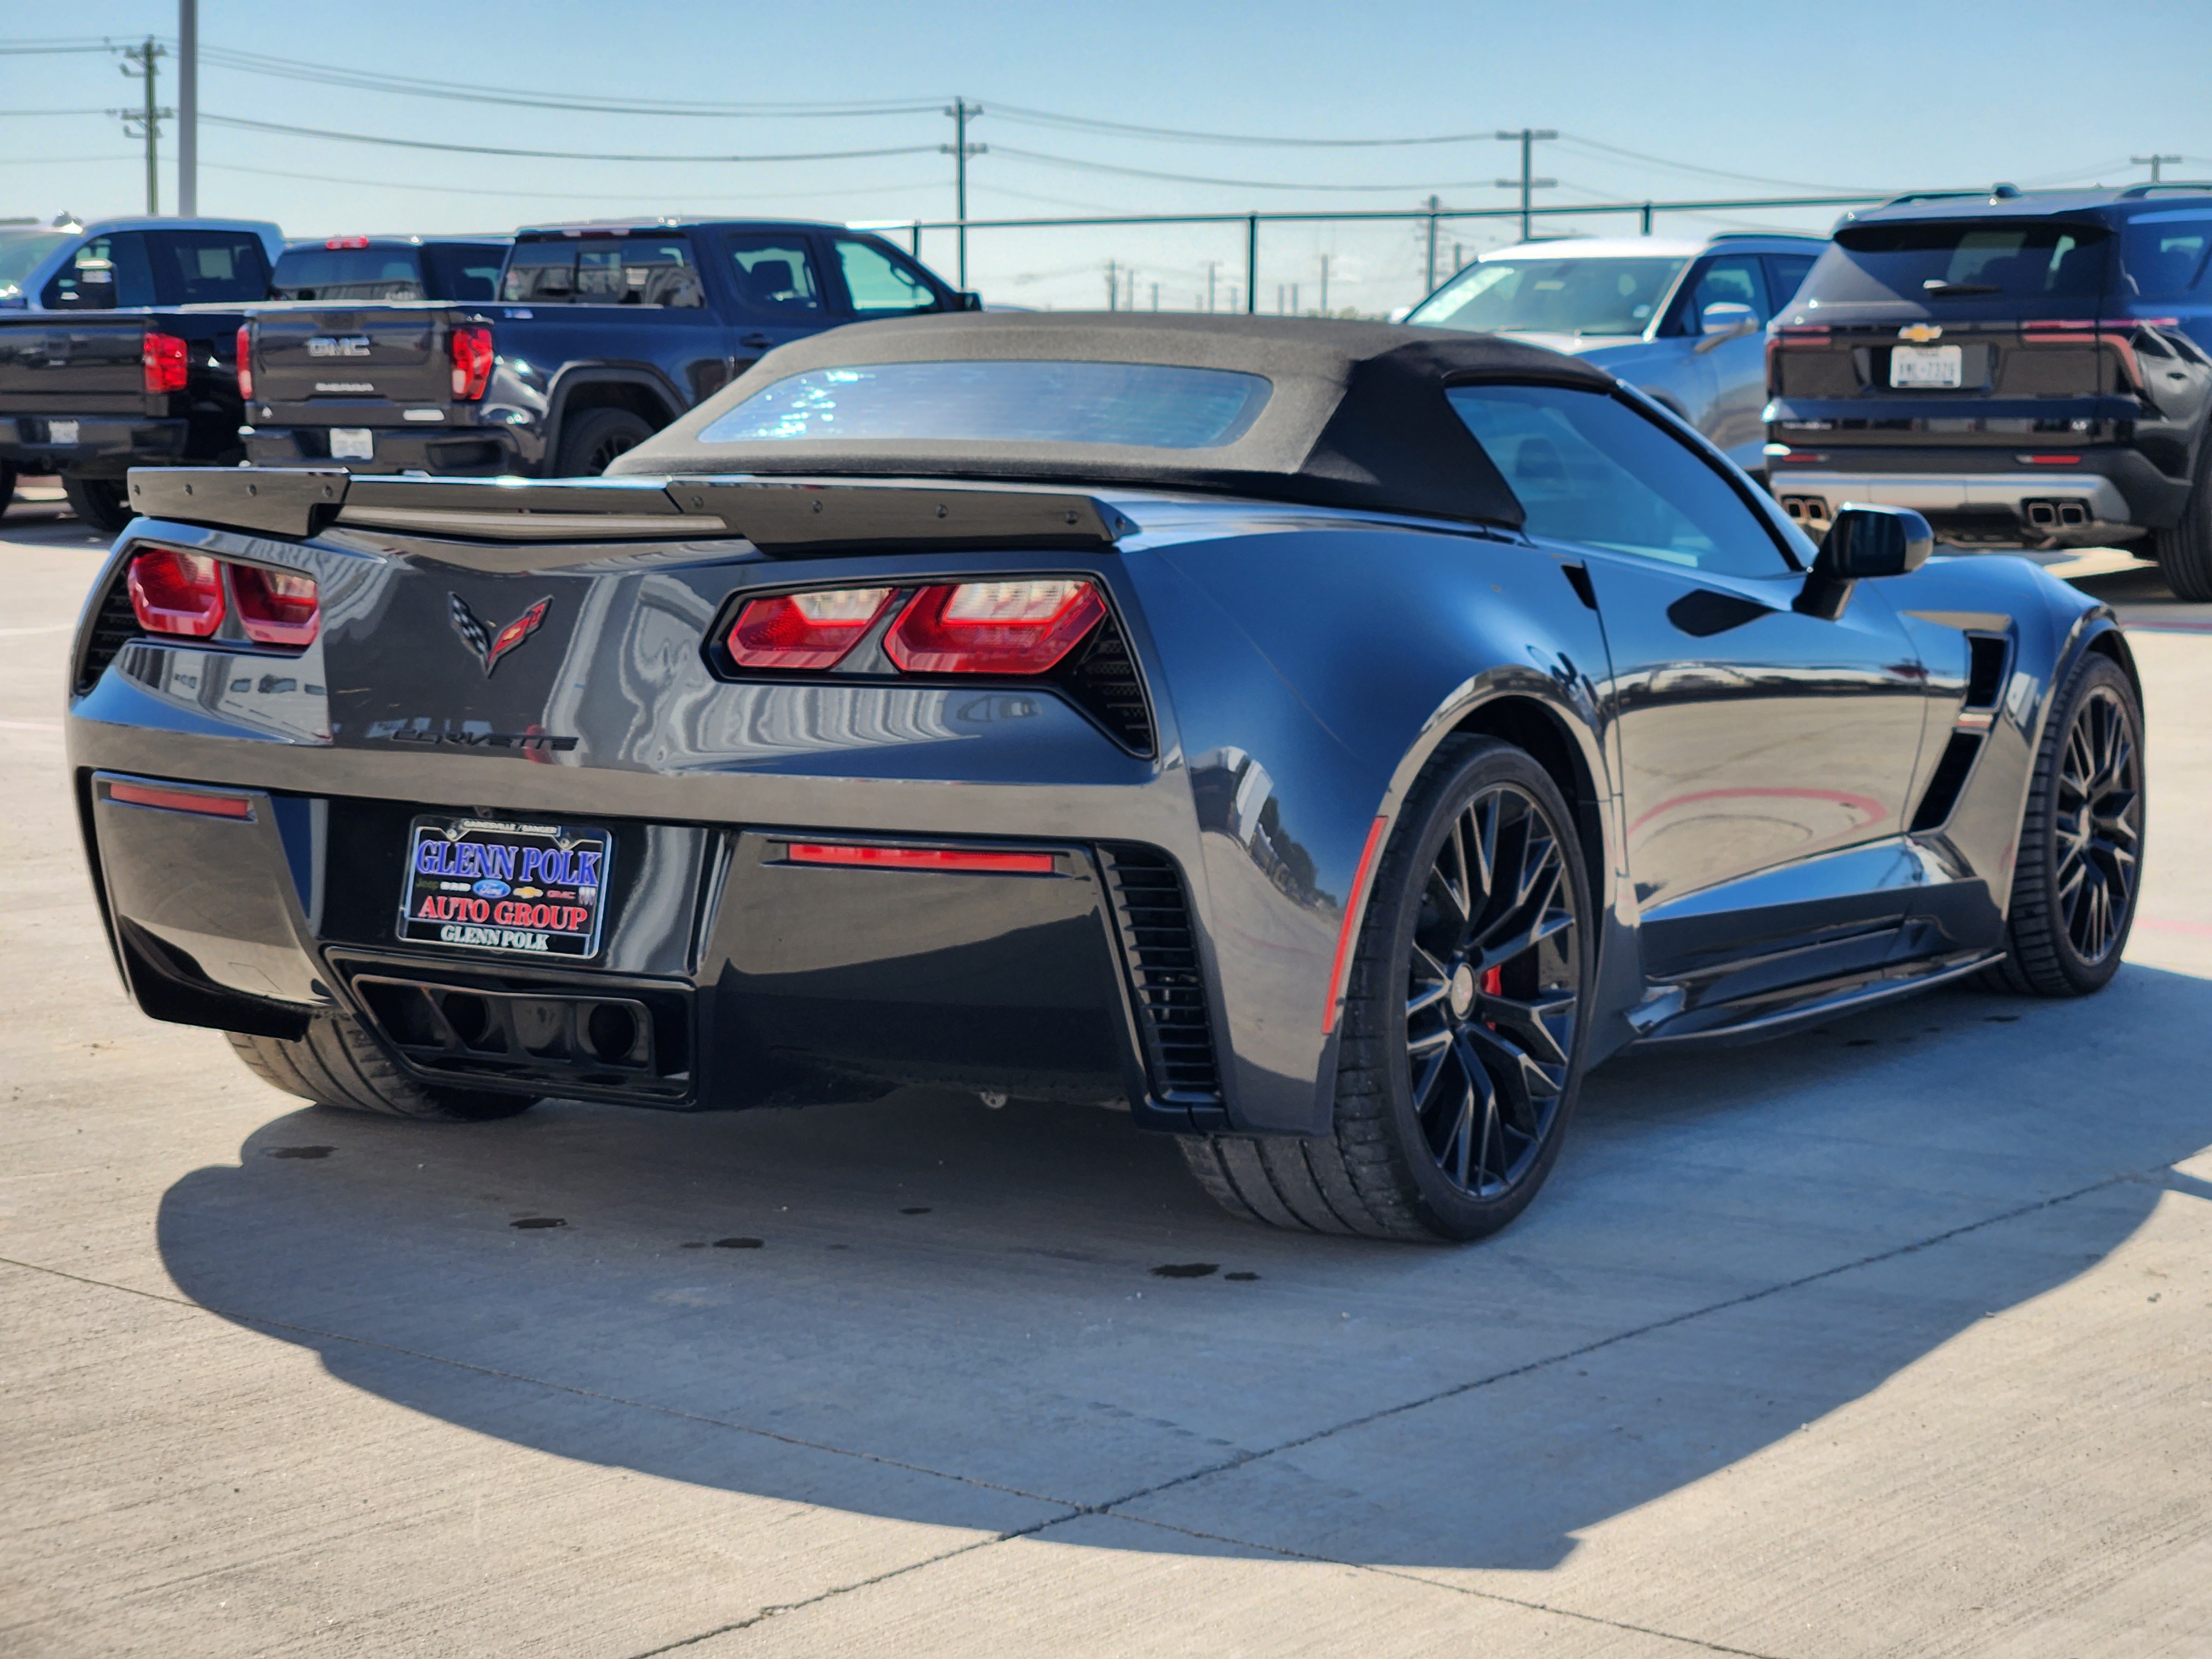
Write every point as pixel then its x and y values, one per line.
pixel 337 1063
pixel 2184 552
pixel 100 503
pixel 1441 1047
pixel 2081 841
pixel 594 438
pixel 7 485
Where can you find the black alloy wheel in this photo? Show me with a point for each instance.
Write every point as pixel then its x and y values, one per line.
pixel 2081 840
pixel 595 438
pixel 1462 1029
pixel 1493 982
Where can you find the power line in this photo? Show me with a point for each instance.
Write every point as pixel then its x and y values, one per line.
pixel 1086 123
pixel 534 195
pixel 547 155
pixel 1238 184
pixel 1575 141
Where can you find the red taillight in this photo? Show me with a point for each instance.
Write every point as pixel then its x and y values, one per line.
pixel 473 360
pixel 347 241
pixel 993 627
pixel 806 631
pixel 163 361
pixel 181 801
pixel 176 592
pixel 277 607
pixel 245 360
pixel 920 857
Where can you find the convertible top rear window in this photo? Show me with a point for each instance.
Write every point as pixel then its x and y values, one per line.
pixel 1150 405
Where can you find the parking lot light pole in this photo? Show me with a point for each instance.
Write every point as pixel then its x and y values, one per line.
pixel 188 108
pixel 1251 263
pixel 1434 203
pixel 1528 182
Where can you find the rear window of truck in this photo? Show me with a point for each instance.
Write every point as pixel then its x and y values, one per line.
pixel 348 273
pixel 2164 255
pixel 1932 260
pixel 1152 405
pixel 605 271
pixel 457 270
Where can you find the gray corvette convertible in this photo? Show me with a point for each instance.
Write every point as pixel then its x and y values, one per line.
pixel 1328 740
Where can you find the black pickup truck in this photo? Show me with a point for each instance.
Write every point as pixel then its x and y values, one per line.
pixel 601 335
pixel 132 358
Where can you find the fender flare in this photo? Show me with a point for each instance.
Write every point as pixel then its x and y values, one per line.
pixel 574 377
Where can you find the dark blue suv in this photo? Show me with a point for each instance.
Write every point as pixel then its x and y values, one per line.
pixel 2027 369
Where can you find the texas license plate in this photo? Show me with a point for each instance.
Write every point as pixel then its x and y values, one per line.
pixel 1927 365
pixel 352 443
pixel 533 890
pixel 61 432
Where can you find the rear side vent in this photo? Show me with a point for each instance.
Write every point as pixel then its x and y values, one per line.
pixel 1102 679
pixel 1951 773
pixel 1153 913
pixel 1987 655
pixel 115 626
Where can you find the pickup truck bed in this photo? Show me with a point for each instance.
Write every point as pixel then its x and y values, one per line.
pixel 601 335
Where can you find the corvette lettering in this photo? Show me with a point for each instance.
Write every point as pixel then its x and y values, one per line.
pixel 537 741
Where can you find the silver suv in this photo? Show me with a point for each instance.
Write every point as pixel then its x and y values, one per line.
pixel 1684 320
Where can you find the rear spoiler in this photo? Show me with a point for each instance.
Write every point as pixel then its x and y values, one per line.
pixel 786 516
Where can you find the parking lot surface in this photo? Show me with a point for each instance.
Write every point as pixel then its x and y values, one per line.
pixel 1888 1338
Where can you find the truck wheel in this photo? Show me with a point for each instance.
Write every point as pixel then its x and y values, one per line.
pixel 7 485
pixel 595 438
pixel 2184 552
pixel 1463 1024
pixel 2081 841
pixel 337 1063
pixel 100 503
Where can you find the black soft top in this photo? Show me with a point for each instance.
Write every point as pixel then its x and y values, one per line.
pixel 1357 416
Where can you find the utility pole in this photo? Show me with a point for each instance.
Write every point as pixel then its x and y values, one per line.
pixel 1113 287
pixel 1211 266
pixel 2153 162
pixel 1528 182
pixel 188 108
pixel 145 123
pixel 1324 285
pixel 1434 203
pixel 1156 296
pixel 1294 299
pixel 1251 268
pixel 960 150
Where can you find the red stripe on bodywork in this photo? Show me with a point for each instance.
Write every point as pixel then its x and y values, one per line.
pixel 1352 905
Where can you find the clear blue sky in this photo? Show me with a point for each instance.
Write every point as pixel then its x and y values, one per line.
pixel 1875 95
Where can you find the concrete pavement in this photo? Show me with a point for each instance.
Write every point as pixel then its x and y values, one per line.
pixel 1886 1339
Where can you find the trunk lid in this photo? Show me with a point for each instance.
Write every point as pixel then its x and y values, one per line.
pixel 355 365
pixel 1950 319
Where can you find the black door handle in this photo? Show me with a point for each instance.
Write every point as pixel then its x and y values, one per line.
pixel 755 339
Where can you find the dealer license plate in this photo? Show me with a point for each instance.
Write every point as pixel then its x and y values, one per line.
pixel 354 443
pixel 61 432
pixel 1927 365
pixel 532 889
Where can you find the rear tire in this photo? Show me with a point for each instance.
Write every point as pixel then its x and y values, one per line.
pixel 337 1063
pixel 594 438
pixel 101 503
pixel 7 485
pixel 2184 552
pixel 1463 1023
pixel 2081 842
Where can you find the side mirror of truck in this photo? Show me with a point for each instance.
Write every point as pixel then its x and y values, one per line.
pixel 968 301
pixel 1863 543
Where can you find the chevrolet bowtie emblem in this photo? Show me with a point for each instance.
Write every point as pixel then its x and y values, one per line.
pixel 488 646
pixel 1921 333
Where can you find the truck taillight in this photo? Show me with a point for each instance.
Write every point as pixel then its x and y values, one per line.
pixel 472 360
pixel 277 607
pixel 993 627
pixel 176 593
pixel 163 362
pixel 245 360
pixel 806 631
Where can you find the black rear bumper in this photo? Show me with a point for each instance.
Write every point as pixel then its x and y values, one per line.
pixel 731 975
pixel 1980 492
pixel 445 452
pixel 106 446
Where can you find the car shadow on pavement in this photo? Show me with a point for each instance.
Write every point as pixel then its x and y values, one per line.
pixel 926 1309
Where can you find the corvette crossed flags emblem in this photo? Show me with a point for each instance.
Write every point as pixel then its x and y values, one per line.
pixel 487 646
